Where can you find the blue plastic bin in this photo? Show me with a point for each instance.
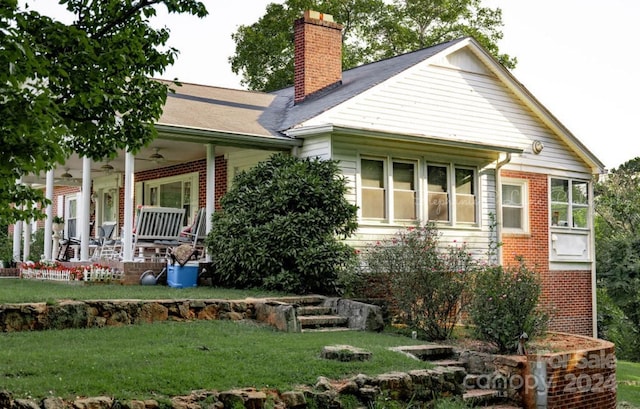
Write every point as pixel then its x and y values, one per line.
pixel 182 277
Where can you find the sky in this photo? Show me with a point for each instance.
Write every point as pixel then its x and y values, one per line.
pixel 579 58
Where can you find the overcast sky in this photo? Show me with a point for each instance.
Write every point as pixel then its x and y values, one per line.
pixel 579 58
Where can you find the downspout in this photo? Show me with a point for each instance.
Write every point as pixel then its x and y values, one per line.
pixel 499 166
pixel 594 296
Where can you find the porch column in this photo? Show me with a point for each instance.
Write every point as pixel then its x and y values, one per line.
pixel 85 216
pixel 26 244
pixel 17 234
pixel 127 239
pixel 49 212
pixel 211 188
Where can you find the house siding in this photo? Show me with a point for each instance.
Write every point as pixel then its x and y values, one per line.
pixel 445 102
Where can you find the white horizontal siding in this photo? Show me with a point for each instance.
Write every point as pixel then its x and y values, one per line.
pixel 452 104
pixel 316 147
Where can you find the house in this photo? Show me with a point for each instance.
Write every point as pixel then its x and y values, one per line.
pixel 444 134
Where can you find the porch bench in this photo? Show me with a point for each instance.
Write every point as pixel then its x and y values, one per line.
pixel 155 225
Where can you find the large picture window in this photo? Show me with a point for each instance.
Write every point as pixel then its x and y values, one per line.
pixel 569 203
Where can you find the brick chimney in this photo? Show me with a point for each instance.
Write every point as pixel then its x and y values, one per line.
pixel 318 54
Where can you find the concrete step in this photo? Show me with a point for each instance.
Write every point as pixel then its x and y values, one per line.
pixel 321 321
pixel 313 310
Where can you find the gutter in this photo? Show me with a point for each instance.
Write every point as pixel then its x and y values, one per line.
pixel 499 165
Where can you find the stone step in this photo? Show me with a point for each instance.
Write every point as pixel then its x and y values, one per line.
pixel 313 310
pixel 447 362
pixel 301 300
pixel 327 329
pixel 427 352
pixel 481 397
pixel 318 321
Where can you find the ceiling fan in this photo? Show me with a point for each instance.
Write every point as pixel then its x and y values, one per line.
pixel 156 157
pixel 68 178
pixel 106 168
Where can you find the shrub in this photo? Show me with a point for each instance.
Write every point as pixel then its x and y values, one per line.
pixel 279 227
pixel 505 305
pixel 427 283
pixel 614 326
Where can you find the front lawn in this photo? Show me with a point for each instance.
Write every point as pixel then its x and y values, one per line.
pixel 172 358
pixel 628 379
pixel 14 290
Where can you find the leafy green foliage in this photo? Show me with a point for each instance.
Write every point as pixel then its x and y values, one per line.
pixel 505 305
pixel 280 225
pixel 428 284
pixel 614 326
pixel 372 30
pixel 83 87
pixel 617 238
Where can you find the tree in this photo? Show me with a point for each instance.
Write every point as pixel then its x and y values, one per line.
pixel 617 241
pixel 373 30
pixel 83 87
pixel 279 227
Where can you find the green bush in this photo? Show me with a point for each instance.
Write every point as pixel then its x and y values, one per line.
pixel 505 305
pixel 280 225
pixel 428 284
pixel 615 326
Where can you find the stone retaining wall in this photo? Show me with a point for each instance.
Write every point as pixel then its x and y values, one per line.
pixel 415 386
pixel 100 313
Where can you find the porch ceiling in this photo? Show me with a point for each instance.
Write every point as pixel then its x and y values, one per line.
pixel 173 151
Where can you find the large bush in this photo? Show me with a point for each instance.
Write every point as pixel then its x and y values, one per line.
pixel 505 305
pixel 280 227
pixel 428 283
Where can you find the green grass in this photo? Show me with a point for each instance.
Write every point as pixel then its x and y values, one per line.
pixel 172 358
pixel 21 291
pixel 628 379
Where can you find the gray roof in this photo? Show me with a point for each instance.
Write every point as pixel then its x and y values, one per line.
pixel 283 114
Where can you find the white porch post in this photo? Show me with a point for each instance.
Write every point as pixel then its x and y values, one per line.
pixel 85 215
pixel 48 221
pixel 17 234
pixel 26 244
pixel 127 239
pixel 211 188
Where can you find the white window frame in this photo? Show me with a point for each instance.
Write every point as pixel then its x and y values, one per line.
pixel 154 183
pixel 452 194
pixel 385 179
pixel 523 184
pixel 571 206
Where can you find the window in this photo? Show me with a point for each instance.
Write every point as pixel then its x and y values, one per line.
pixel 464 192
pixel 438 196
pixel 180 192
pixel 404 191
pixel 401 176
pixel 465 195
pixel 569 203
pixel 515 211
pixel 373 189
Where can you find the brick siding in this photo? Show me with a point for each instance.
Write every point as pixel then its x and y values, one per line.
pixel 567 293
